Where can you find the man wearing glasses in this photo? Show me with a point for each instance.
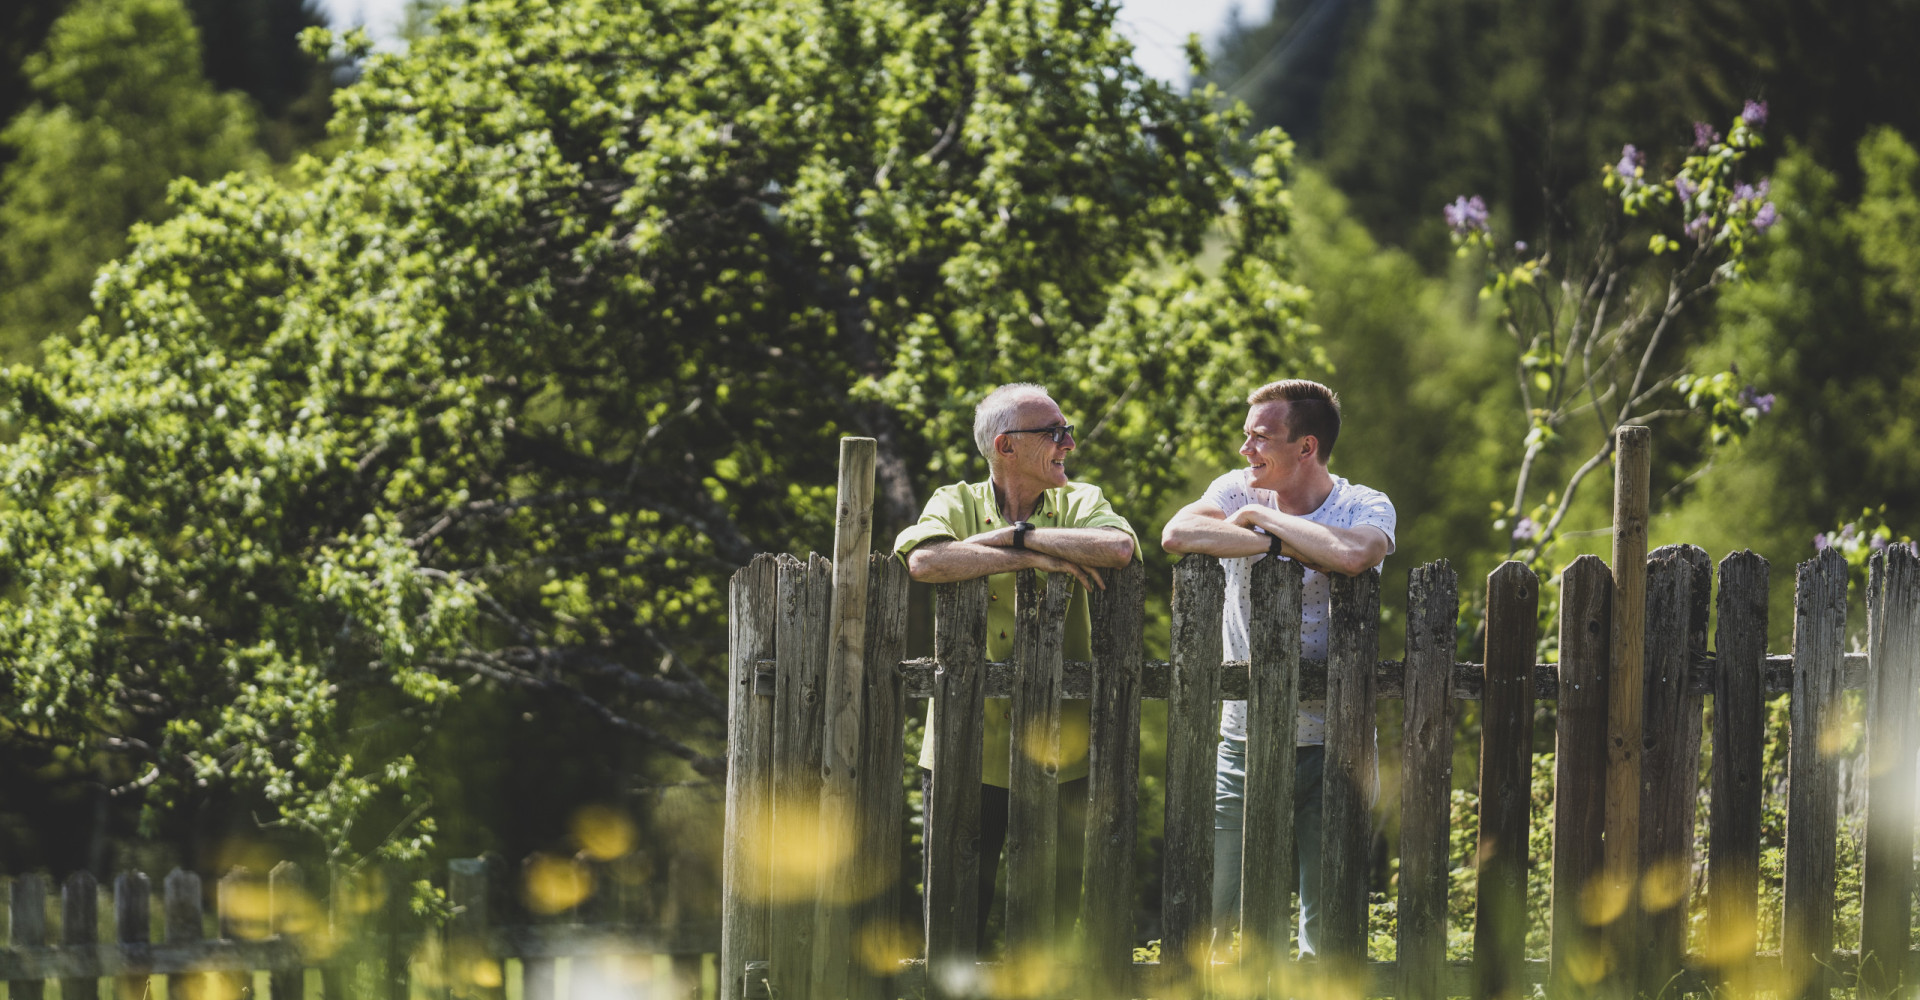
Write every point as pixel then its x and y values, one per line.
pixel 1026 515
pixel 1284 503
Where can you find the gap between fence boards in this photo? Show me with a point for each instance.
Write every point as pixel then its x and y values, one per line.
pixel 1389 679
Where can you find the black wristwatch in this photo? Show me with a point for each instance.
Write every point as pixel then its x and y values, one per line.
pixel 1274 545
pixel 1020 529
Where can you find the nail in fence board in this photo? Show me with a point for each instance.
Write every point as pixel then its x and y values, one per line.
pixel 1506 755
pixel 844 702
pixel 1353 647
pixel 1033 806
pixel 1273 706
pixel 1886 904
pixel 1668 766
pixel 1580 772
pixel 1426 778
pixel 1113 774
pixel 882 804
pixel 1819 635
pixel 747 850
pixel 799 713
pixel 952 832
pixel 1739 738
pixel 1193 727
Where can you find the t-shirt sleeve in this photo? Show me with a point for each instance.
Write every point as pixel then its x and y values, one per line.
pixel 940 519
pixel 1091 510
pixel 1228 492
pixel 1373 508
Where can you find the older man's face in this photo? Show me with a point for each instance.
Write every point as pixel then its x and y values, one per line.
pixel 1037 461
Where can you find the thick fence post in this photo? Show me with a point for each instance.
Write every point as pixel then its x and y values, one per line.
pixel 28 928
pixel 799 725
pixel 1819 637
pixel 840 774
pixel 240 912
pixel 1193 729
pixel 880 933
pixel 1506 771
pixel 132 924
pixel 1580 774
pixel 747 844
pixel 1886 903
pixel 1426 778
pixel 1353 647
pixel 1113 775
pixel 1632 468
pixel 1033 795
pixel 952 831
pixel 1273 708
pixel 289 916
pixel 79 926
pixel 1669 767
pixel 183 907
pixel 1739 739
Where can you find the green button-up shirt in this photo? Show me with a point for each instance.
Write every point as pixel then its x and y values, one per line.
pixel 966 509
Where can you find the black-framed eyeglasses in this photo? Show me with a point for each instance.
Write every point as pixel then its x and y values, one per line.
pixel 1055 433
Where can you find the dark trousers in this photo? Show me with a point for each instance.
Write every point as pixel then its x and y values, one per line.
pixel 1072 833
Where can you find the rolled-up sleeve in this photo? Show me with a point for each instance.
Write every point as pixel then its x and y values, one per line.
pixel 939 520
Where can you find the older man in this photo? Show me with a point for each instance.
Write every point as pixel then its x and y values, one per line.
pixel 1026 515
pixel 1286 504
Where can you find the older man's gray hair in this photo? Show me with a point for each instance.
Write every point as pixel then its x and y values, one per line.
pixel 996 414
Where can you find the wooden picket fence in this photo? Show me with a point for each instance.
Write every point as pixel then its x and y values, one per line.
pixel 811 877
pixel 359 939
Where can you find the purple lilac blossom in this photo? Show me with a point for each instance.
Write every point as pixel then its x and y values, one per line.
pixel 1765 218
pixel 1697 229
pixel 1754 114
pixel 1820 543
pixel 1704 135
pixel 1525 530
pixel 1877 543
pixel 1466 215
pixel 1630 159
pixel 1762 401
pixel 1519 246
pixel 1684 188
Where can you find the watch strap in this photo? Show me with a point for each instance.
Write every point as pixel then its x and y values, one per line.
pixel 1020 529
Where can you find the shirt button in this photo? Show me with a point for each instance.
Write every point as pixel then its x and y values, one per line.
pixel 1003 635
pixel 993 597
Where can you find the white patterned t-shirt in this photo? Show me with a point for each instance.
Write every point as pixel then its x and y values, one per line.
pixel 1348 506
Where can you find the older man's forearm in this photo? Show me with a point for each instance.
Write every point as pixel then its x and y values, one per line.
pixel 1106 548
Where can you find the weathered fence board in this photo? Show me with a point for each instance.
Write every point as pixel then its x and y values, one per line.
pixel 1580 774
pixel 1033 804
pixel 952 831
pixel 1113 769
pixel 747 847
pixel 1633 459
pixel 1886 903
pixel 801 637
pixel 1193 726
pixel 1426 779
pixel 882 802
pixel 1273 705
pixel 1819 632
pixel 1506 754
pixel 1668 768
pixel 1353 646
pixel 1739 741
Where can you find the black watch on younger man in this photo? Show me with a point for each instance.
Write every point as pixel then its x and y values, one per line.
pixel 1020 529
pixel 1274 545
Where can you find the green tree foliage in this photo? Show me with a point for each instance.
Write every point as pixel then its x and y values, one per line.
pixel 505 391
pixel 122 111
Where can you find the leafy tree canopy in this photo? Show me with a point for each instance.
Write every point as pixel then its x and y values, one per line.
pixel 504 391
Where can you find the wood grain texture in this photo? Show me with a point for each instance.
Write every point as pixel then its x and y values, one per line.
pixel 953 813
pixel 801 640
pixel 1886 903
pixel 1273 706
pixel 746 848
pixel 1580 771
pixel 1113 776
pixel 1739 739
pixel 1426 778
pixel 1193 727
pixel 883 804
pixel 1625 682
pixel 1669 765
pixel 1506 754
pixel 1353 646
pixel 1819 635
pixel 843 706
pixel 1033 793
